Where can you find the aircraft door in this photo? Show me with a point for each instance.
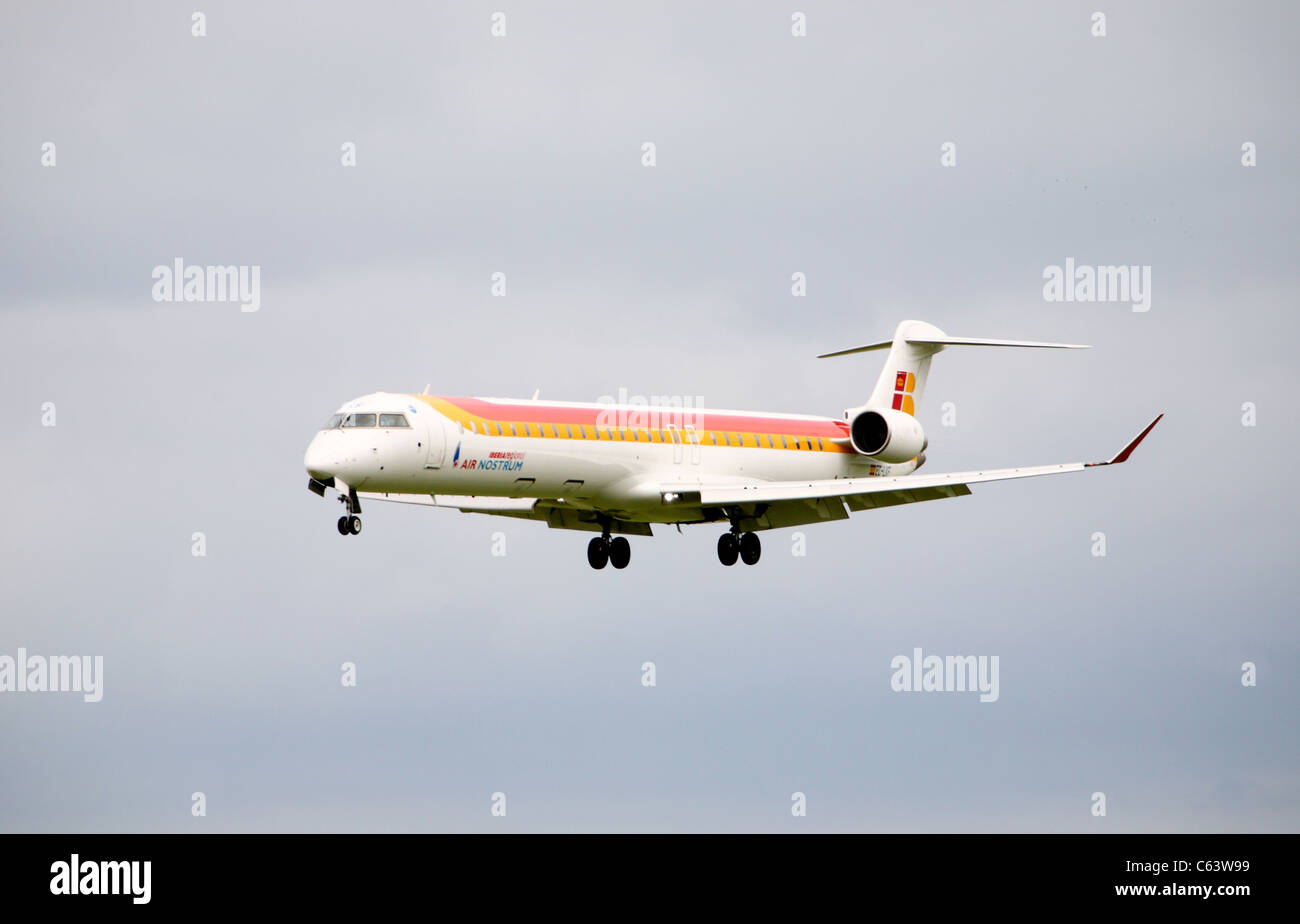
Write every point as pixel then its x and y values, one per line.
pixel 436 441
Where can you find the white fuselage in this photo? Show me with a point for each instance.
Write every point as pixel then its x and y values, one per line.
pixel 611 457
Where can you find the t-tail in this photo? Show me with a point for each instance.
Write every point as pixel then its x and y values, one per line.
pixel 886 428
pixel 902 380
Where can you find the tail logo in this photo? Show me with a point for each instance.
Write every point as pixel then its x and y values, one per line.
pixel 904 385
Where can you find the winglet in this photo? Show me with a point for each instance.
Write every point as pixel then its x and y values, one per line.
pixel 1127 451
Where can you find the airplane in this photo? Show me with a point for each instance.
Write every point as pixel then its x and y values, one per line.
pixel 615 469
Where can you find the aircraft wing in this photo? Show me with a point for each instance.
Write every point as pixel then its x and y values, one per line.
pixel 466 503
pixel 555 513
pixel 866 493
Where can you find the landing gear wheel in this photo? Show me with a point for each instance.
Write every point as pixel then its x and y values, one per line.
pixel 354 527
pixel 620 553
pixel 750 548
pixel 343 526
pixel 598 553
pixel 728 549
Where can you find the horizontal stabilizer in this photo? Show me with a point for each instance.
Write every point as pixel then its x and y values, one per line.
pixel 942 342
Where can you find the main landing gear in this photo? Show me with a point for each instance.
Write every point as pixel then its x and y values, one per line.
pixel 603 550
pixel 735 544
pixel 349 525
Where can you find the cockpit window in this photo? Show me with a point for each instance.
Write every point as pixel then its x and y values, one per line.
pixel 333 422
pixel 393 420
pixel 359 420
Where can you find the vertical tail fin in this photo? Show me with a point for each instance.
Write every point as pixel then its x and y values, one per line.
pixel 902 380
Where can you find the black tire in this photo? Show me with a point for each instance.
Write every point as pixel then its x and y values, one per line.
pixel 728 549
pixel 597 553
pixel 750 548
pixel 343 526
pixel 620 552
pixel 354 525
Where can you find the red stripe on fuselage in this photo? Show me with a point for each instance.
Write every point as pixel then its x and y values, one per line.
pixel 654 417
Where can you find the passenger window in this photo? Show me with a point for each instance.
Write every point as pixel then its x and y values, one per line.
pixel 512 430
pixel 359 420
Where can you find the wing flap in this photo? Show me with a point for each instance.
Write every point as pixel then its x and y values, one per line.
pixel 908 488
pixel 858 502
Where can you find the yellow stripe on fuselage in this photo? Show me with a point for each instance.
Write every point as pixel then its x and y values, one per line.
pixel 802 442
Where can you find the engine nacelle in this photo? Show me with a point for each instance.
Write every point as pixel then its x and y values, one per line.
pixel 888 435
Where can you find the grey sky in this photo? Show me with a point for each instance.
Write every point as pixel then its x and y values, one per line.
pixel 522 155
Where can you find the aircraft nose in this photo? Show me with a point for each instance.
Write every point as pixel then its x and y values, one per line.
pixel 317 459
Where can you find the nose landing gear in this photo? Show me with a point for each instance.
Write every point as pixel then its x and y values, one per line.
pixel 350 523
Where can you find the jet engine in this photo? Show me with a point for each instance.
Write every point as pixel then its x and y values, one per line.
pixel 888 435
